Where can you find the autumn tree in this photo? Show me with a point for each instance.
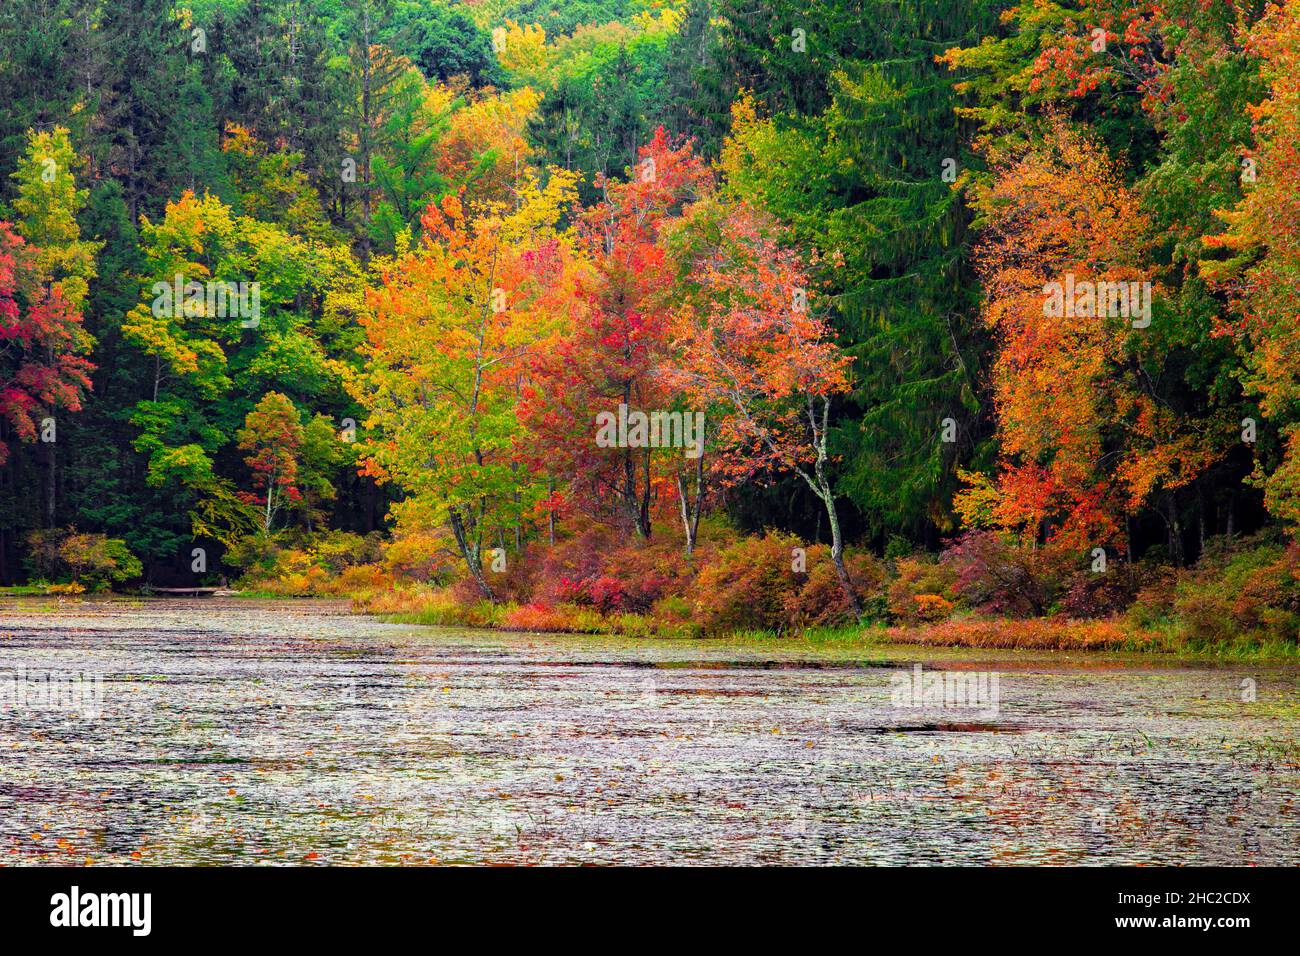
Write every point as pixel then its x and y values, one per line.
pixel 847 132
pixel 451 326
pixel 612 354
pixel 1257 261
pixel 60 262
pixel 324 455
pixel 272 187
pixel 231 309
pixel 754 349
pixel 272 440
pixel 1083 439
pixel 43 365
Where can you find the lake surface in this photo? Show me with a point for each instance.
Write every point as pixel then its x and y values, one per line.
pixel 246 732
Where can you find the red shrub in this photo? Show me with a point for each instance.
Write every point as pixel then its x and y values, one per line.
pixel 565 573
pixel 607 594
pixel 1093 594
pixel 992 573
pixel 821 601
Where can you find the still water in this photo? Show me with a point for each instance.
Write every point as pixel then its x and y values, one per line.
pixel 242 732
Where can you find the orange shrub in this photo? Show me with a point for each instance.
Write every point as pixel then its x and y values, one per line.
pixel 820 601
pixel 748 585
pixel 535 617
pixel 420 555
pixel 932 607
pixel 920 577
pixel 1041 633
pixel 362 578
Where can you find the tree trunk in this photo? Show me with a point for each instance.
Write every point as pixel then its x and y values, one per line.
pixel 691 513
pixel 837 554
pixel 1175 530
pixel 51 500
pixel 638 505
pixel 643 512
pixel 821 487
pixel 1200 520
pixel 550 512
pixel 469 552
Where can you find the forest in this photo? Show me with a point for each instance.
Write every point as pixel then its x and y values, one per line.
pixel 661 317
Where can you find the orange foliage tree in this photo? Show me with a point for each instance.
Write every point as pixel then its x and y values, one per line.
pixel 1084 441
pixel 1262 269
pixel 451 331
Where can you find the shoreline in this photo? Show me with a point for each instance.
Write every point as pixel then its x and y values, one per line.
pixel 1046 636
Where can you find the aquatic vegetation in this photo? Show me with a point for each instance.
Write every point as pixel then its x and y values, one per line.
pixel 275 732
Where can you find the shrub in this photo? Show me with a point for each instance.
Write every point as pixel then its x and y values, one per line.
pixel 259 555
pixel 992 573
pixel 71 587
pixel 419 604
pixel 648 570
pixel 607 594
pixel 931 607
pixel 325 563
pixel 1241 590
pixel 820 601
pixel 672 610
pixel 1154 603
pixel 897 547
pixel 536 617
pixel 363 579
pixel 419 555
pixel 920 577
pixel 568 570
pixel 1091 594
pixel 336 551
pixel 570 591
pixel 748 585
pixel 1044 633
pixel 93 560
pixel 517 583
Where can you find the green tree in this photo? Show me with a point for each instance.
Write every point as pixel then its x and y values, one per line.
pixel 854 157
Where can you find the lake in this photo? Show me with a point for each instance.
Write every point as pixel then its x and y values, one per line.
pixel 289 732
